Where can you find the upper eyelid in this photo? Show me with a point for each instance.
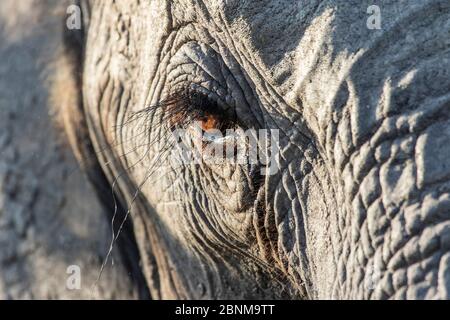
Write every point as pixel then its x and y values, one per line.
pixel 193 105
pixel 217 74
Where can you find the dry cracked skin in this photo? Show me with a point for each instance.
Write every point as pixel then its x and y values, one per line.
pixel 359 206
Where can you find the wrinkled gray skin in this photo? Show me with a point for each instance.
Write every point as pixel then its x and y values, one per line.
pixel 360 206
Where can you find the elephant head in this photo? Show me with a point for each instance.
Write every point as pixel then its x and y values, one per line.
pixel 353 200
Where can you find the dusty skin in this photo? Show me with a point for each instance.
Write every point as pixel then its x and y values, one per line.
pixel 50 218
pixel 358 207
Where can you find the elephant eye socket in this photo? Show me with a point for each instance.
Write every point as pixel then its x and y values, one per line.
pixel 185 108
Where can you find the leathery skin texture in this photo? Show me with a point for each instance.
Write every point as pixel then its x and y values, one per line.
pixel 360 205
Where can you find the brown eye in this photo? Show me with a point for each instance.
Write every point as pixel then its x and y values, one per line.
pixel 182 109
pixel 210 122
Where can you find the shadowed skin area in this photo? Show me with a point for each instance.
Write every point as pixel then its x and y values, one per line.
pixel 50 219
pixel 359 207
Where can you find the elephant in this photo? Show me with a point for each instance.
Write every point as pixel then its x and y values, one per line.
pixel 358 206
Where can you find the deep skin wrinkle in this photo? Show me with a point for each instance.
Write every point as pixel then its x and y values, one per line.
pixel 359 206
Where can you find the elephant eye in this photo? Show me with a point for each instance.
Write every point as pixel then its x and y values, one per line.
pixel 210 122
pixel 186 108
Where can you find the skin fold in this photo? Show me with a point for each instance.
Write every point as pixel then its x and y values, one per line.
pixel 359 208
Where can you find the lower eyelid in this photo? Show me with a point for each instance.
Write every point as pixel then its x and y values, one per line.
pixel 216 139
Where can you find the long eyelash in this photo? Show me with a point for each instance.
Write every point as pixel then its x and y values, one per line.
pixel 178 104
pixel 179 110
pixel 184 107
